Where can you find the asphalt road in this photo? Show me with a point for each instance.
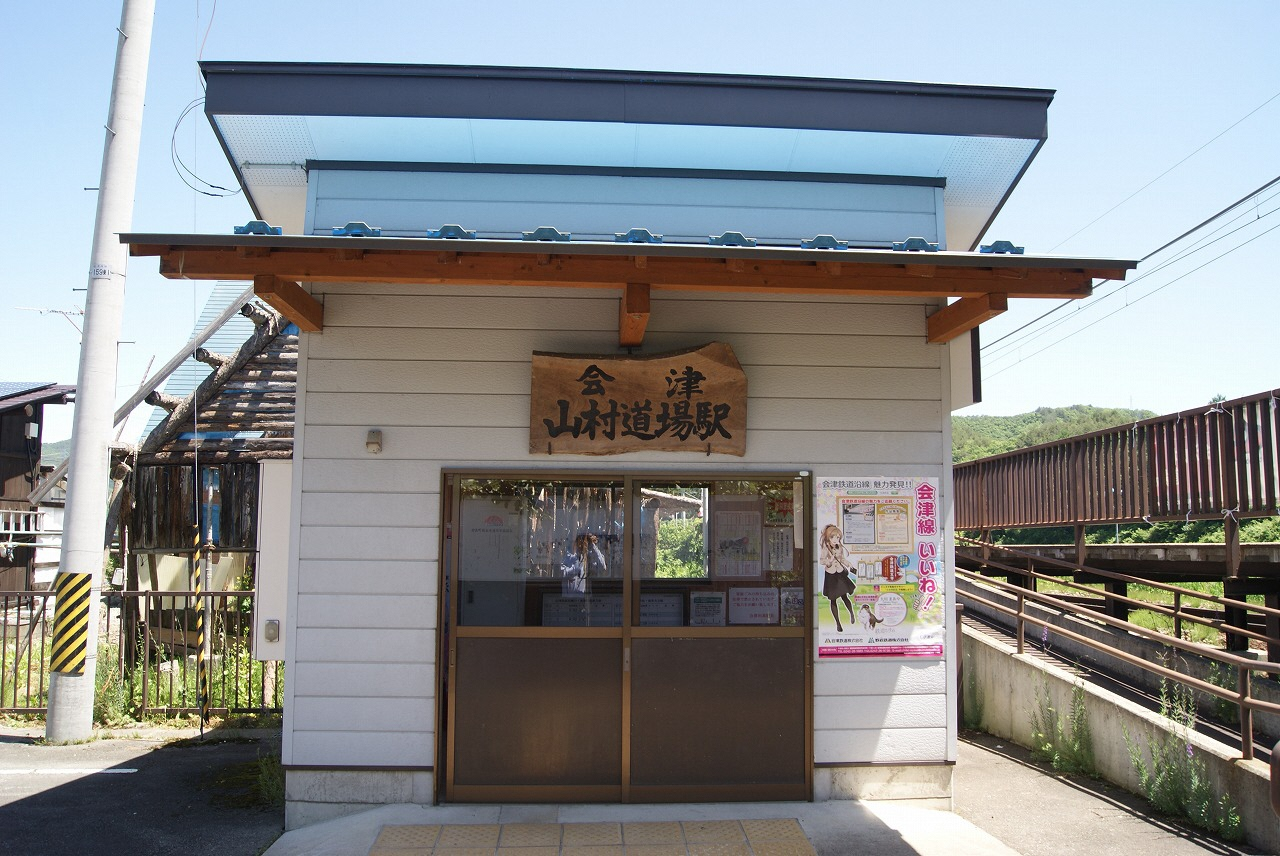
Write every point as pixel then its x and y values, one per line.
pixel 152 792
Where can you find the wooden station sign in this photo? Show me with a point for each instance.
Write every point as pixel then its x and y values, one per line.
pixel 693 400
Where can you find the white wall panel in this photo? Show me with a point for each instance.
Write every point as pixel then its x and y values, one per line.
pixel 351 746
pixel 837 713
pixel 366 610
pixel 320 713
pixel 444 372
pixel 344 576
pixel 880 745
pixel 368 680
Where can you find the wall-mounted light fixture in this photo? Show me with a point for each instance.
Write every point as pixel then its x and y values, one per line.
pixel 373 442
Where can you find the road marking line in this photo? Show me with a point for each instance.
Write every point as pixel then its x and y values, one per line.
pixel 66 771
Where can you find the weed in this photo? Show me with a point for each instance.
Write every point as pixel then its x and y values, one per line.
pixel 1224 711
pixel 1175 780
pixel 1065 746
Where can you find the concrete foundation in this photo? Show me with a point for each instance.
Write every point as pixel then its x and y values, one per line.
pixel 923 786
pixel 313 796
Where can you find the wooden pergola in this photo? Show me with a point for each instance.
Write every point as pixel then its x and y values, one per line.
pixel 277 265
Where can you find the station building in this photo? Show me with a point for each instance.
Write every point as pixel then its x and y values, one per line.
pixel 622 464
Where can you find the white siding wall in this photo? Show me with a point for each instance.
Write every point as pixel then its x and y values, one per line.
pixel 595 207
pixel 835 387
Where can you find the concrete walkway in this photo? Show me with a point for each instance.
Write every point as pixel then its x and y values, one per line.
pixel 1005 805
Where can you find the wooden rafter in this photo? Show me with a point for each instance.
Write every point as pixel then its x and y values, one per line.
pixel 963 315
pixel 633 314
pixel 291 301
pixel 431 266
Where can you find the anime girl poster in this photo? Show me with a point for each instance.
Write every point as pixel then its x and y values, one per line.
pixel 879 567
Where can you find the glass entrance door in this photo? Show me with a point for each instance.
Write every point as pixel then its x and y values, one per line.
pixel 625 638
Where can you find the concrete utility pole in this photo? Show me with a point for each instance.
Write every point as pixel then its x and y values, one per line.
pixel 70 716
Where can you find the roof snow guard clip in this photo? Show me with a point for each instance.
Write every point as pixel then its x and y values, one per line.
pixel 451 230
pixel 732 239
pixel 357 229
pixel 915 245
pixel 546 233
pixel 636 236
pixel 257 227
pixel 1000 247
pixel 824 242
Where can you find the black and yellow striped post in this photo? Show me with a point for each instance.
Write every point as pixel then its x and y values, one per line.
pixel 202 660
pixel 70 623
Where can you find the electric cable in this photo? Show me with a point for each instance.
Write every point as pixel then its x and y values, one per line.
pixel 1166 172
pixel 993 351
pixel 1137 300
pixel 1164 246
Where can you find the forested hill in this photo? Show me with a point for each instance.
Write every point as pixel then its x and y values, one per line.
pixel 979 436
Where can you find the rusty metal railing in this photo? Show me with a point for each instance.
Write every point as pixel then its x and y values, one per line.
pixel 147 640
pixel 1242 666
pixel 1210 463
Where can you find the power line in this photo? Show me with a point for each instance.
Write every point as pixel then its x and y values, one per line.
pixel 1136 301
pixel 1166 172
pixel 1163 247
pixel 992 351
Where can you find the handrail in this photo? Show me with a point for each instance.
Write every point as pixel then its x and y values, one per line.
pixel 1204 464
pixel 1241 696
pixel 1118 576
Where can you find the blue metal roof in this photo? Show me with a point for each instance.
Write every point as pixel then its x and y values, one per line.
pixel 10 388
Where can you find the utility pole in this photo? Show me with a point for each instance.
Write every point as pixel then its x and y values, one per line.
pixel 79 580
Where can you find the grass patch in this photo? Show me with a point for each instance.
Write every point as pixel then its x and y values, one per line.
pixel 1063 742
pixel 252 784
pixel 1173 777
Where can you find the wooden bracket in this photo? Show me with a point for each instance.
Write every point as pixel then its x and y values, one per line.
pixel 291 301
pixel 963 315
pixel 633 314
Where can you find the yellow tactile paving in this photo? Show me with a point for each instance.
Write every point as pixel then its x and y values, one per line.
pixel 782 848
pixel 592 850
pixel 720 848
pixel 772 837
pixel 454 836
pixel 773 830
pixel 651 832
pixel 591 835
pixel 530 835
pixel 407 836
pixel 656 850
pixel 713 832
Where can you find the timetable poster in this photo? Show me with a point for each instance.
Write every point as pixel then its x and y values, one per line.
pixel 879 567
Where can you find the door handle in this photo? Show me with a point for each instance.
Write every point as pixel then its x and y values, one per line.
pixel 626 659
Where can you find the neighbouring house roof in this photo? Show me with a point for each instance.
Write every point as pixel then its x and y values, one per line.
pixel 18 394
pixel 243 410
pixel 277 120
pixel 226 339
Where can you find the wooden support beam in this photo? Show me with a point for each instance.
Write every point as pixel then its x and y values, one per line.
pixel 633 314
pixel 291 301
pixel 963 315
pixel 886 277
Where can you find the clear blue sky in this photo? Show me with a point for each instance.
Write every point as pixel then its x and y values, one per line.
pixel 1140 86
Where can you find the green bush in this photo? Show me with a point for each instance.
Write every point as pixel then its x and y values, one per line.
pixel 682 550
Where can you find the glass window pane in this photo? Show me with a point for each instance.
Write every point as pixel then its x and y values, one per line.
pixel 719 554
pixel 540 553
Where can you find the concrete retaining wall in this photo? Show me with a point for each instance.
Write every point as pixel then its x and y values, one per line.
pixel 1004 687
